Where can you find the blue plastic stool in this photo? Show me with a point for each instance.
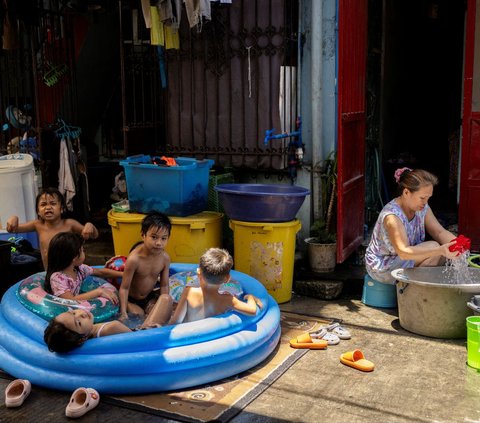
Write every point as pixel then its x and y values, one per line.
pixel 379 294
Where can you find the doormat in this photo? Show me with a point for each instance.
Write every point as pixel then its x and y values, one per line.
pixel 224 399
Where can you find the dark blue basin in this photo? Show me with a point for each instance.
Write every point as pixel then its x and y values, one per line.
pixel 261 202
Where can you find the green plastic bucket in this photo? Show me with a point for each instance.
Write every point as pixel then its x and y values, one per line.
pixel 473 341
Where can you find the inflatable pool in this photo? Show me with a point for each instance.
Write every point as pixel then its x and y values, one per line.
pixel 161 359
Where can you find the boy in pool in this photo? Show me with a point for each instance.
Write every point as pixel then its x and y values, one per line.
pixel 50 204
pixel 146 264
pixel 205 301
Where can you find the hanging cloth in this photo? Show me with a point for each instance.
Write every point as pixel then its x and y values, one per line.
pixel 66 183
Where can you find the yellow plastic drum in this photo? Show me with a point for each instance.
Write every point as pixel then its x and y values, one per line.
pixel 266 251
pixel 191 236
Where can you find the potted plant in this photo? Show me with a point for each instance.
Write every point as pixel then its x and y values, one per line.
pixel 322 244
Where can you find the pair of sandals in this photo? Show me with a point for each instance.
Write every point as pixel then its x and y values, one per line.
pixel 81 401
pixel 332 333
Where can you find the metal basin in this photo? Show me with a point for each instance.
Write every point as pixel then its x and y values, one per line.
pixel 430 304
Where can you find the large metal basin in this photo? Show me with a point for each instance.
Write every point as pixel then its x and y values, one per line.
pixel 430 304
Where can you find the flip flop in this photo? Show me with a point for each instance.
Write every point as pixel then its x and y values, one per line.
pixel 357 360
pixel 16 392
pixel 338 330
pixel 82 401
pixel 305 341
pixel 330 337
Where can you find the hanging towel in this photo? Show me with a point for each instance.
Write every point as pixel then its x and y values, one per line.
pixel 66 183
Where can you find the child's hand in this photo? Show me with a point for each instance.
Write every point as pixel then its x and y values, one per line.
pixel 123 316
pixel 108 294
pixel 88 231
pixel 257 300
pixel 12 224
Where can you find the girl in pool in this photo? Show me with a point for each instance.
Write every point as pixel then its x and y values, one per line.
pixel 71 329
pixel 66 271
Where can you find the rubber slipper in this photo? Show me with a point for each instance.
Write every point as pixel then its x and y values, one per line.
pixel 330 337
pixel 357 360
pixel 16 392
pixel 305 341
pixel 338 330
pixel 82 401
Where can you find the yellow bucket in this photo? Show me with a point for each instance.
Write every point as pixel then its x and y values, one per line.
pixel 190 237
pixel 266 251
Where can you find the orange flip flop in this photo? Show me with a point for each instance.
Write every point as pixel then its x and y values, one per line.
pixel 305 341
pixel 357 360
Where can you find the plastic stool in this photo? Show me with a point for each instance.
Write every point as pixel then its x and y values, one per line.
pixel 379 294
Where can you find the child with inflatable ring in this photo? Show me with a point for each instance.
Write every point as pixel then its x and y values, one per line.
pixel 205 301
pixel 50 205
pixel 66 270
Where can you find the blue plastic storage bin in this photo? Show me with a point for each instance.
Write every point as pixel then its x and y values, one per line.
pixel 174 190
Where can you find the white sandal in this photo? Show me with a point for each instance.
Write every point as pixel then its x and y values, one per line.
pixel 82 401
pixel 338 330
pixel 322 333
pixel 16 392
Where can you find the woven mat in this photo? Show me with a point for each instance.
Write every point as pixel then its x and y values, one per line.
pixel 224 399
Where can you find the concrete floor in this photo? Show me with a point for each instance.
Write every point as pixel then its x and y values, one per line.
pixel 416 379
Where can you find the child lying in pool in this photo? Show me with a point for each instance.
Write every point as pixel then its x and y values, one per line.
pixel 71 329
pixel 205 301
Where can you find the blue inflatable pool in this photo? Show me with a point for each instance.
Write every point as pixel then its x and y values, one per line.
pixel 162 359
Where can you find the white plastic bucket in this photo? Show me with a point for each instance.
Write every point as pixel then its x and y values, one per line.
pixel 18 188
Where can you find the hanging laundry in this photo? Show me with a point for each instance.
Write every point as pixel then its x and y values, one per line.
pixel 146 13
pixel 66 183
pixel 161 35
pixel 196 10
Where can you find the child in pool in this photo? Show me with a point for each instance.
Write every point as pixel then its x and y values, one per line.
pixel 72 328
pixel 198 303
pixel 66 271
pixel 146 264
pixel 50 204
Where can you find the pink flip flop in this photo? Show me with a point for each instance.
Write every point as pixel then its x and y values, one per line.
pixel 16 392
pixel 82 401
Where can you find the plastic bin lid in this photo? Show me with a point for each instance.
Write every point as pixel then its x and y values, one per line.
pixel 10 161
pixel 138 217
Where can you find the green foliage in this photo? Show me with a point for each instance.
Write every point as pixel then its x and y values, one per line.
pixel 324 228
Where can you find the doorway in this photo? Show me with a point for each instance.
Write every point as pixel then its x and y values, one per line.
pixel 414 85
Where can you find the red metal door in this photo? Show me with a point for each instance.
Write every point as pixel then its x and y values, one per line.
pixel 352 49
pixel 469 206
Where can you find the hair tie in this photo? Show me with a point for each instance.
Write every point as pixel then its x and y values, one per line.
pixel 399 173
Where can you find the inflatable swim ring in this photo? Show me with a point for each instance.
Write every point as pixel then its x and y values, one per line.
pixel 178 281
pixel 31 294
pixel 154 360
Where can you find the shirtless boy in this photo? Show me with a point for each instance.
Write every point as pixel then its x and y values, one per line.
pixel 146 264
pixel 50 205
pixel 205 301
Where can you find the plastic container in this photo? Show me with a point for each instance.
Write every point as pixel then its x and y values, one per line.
pixel 378 294
pixel 473 341
pixel 474 304
pixel 174 190
pixel 190 236
pixel 261 202
pixel 18 191
pixel 266 251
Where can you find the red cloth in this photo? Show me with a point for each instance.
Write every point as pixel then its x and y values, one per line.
pixel 461 245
